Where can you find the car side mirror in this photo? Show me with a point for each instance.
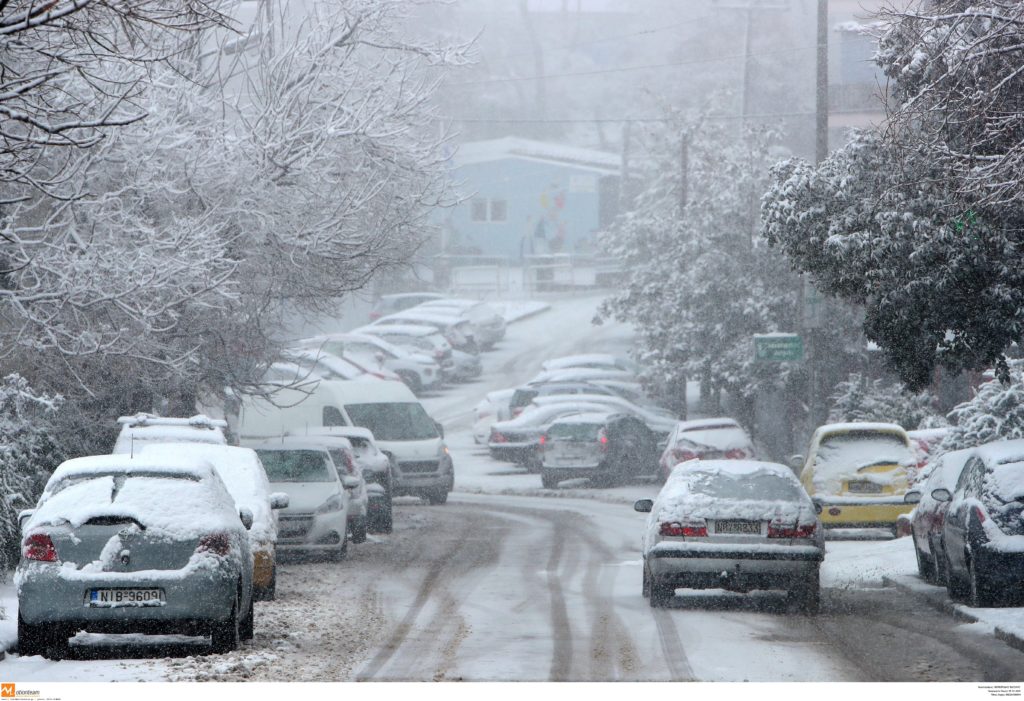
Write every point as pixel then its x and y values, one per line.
pixel 349 482
pixel 245 515
pixel 796 463
pixel 644 506
pixel 817 506
pixel 942 495
pixel 440 428
pixel 24 516
pixel 279 500
pixel 912 497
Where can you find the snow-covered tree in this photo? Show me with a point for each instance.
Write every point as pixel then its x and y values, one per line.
pixel 996 412
pixel 920 223
pixel 859 398
pixel 27 456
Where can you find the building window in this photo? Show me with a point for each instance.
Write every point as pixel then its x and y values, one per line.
pixel 478 209
pixel 499 210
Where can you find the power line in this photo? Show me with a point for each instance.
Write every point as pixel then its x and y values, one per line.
pixel 600 120
pixel 623 69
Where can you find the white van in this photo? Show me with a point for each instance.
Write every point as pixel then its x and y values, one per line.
pixel 421 462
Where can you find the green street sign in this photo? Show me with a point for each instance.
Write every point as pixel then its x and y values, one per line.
pixel 778 347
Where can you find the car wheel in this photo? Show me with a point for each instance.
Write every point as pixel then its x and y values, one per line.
pixel 925 565
pixel 979 592
pixel 247 628
pixel 807 595
pixel 224 635
pixel 341 552
pixel 955 586
pixel 533 464
pixel 32 640
pixel 661 594
pixel 645 590
pixel 549 479
pixel 359 530
pixel 436 497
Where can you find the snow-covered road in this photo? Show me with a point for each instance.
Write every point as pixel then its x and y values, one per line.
pixel 512 582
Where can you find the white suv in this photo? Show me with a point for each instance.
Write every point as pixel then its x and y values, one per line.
pixel 144 429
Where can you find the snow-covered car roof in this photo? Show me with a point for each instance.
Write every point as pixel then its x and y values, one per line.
pixel 540 415
pixel 241 471
pixel 720 434
pixel 655 418
pixel 944 470
pixel 740 489
pixel 929 435
pixel 581 374
pixel 591 417
pixel 180 499
pixel 342 367
pixel 860 427
pixel 424 316
pixel 197 421
pixel 1002 452
pixel 413 295
pixel 699 424
pixel 400 330
pixel 167 430
pixel 575 361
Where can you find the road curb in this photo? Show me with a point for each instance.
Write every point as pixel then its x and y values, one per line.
pixel 939 600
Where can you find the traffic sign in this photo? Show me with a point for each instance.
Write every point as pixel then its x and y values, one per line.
pixel 778 347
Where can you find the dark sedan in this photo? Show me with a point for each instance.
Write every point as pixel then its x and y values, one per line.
pixel 929 514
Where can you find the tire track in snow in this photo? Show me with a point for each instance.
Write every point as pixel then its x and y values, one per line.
pixel 561 631
pixel 675 657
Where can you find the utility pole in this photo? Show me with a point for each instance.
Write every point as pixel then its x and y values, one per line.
pixel 821 92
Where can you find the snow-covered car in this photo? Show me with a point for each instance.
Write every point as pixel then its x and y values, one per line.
pixel 316 520
pixel 246 480
pixel 522 397
pixel 659 420
pixel 417 339
pixel 375 466
pixel 929 513
pixel 732 524
pixel 983 531
pixel 925 441
pixel 120 544
pixel 705 439
pixel 605 361
pixel 349 470
pixel 604 447
pixel 457 331
pixel 143 428
pixel 581 375
pixel 465 366
pixel 858 473
pixel 488 324
pixel 334 367
pixel 389 304
pixel 418 370
pixel 518 440
pixel 489 410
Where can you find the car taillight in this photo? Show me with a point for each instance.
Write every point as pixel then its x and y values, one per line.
pixel 39 546
pixel 736 454
pixel 498 437
pixel 517 410
pixel 689 530
pixel 980 514
pixel 775 531
pixel 350 466
pixel 684 455
pixel 216 543
pixel 602 439
pixel 542 440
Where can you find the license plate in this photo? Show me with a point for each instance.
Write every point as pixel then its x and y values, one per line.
pixel 864 487
pixel 738 527
pixel 110 598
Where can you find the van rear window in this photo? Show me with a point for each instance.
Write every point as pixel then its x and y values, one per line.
pixel 394 421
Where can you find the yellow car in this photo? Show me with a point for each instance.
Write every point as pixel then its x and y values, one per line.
pixel 858 474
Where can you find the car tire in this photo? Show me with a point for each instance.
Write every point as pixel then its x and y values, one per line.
pixel 437 497
pixel 341 552
pixel 807 595
pixel 645 589
pixel 661 594
pixel 533 464
pixel 225 635
pixel 33 640
pixel 957 588
pixel 359 530
pixel 246 630
pixel 549 479
pixel 979 589
pixel 925 565
pixel 411 380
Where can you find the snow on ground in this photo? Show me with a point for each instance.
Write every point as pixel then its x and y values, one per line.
pixel 863 562
pixel 513 310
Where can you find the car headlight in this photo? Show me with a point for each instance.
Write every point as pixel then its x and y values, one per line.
pixel 332 504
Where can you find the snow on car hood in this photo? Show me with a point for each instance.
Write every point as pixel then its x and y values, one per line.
pixel 718 438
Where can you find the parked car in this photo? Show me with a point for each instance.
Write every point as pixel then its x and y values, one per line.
pixel 465 366
pixel 333 367
pixel 705 439
pixel 142 429
pixel 604 447
pixel 518 440
pixel 416 369
pixel 459 332
pixel 858 473
pixel 489 410
pixel 376 469
pixel 732 524
pixel 581 375
pixel 488 324
pixel 246 481
pixel 424 339
pixel 659 420
pixel 421 462
pixel 605 361
pixel 925 441
pixel 316 520
pixel 929 514
pixel 389 304
pixel 522 396
pixel 120 544
pixel 350 471
pixel 983 532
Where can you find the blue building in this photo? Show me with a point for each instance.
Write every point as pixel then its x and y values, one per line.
pixel 528 197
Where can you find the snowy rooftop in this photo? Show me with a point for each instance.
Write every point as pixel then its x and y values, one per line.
pixel 528 149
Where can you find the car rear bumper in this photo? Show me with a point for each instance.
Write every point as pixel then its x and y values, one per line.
pixel 311 532
pixel 511 452
pixel 848 513
pixel 734 569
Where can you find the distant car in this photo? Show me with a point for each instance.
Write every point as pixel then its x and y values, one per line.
pixel 457 331
pixel 389 304
pixel 858 473
pixel 488 324
pixel 732 524
pixel 334 367
pixel 349 470
pixel 518 440
pixel 659 420
pixel 424 339
pixel 924 442
pixel 606 448
pixel 316 520
pixel 246 481
pixel 929 514
pixel 705 439
pixel 605 361
pixel 142 429
pixel 581 375
pixel 465 366
pixel 488 411
pixel 418 370
pixel 983 530
pixel 522 396
pixel 120 544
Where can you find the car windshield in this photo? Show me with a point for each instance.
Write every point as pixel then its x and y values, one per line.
pixel 759 486
pixel 574 431
pixel 296 465
pixel 393 421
